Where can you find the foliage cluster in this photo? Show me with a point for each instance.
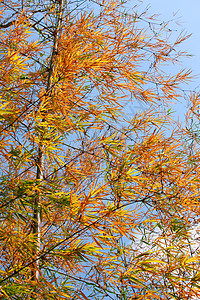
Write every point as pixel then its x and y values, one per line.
pixel 95 203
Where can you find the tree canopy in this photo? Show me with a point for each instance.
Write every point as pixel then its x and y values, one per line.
pixel 96 202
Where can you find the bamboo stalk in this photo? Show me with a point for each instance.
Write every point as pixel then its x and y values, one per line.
pixel 41 150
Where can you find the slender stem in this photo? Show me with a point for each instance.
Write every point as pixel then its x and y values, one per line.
pixel 41 151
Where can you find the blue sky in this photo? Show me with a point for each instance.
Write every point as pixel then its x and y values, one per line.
pixel 188 15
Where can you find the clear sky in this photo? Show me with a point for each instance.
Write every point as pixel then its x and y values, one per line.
pixel 188 14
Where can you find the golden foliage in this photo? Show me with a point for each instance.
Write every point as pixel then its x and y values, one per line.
pixel 118 195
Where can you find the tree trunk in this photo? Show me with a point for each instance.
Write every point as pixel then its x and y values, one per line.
pixel 40 160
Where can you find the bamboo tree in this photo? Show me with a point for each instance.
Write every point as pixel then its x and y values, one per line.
pixel 118 194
